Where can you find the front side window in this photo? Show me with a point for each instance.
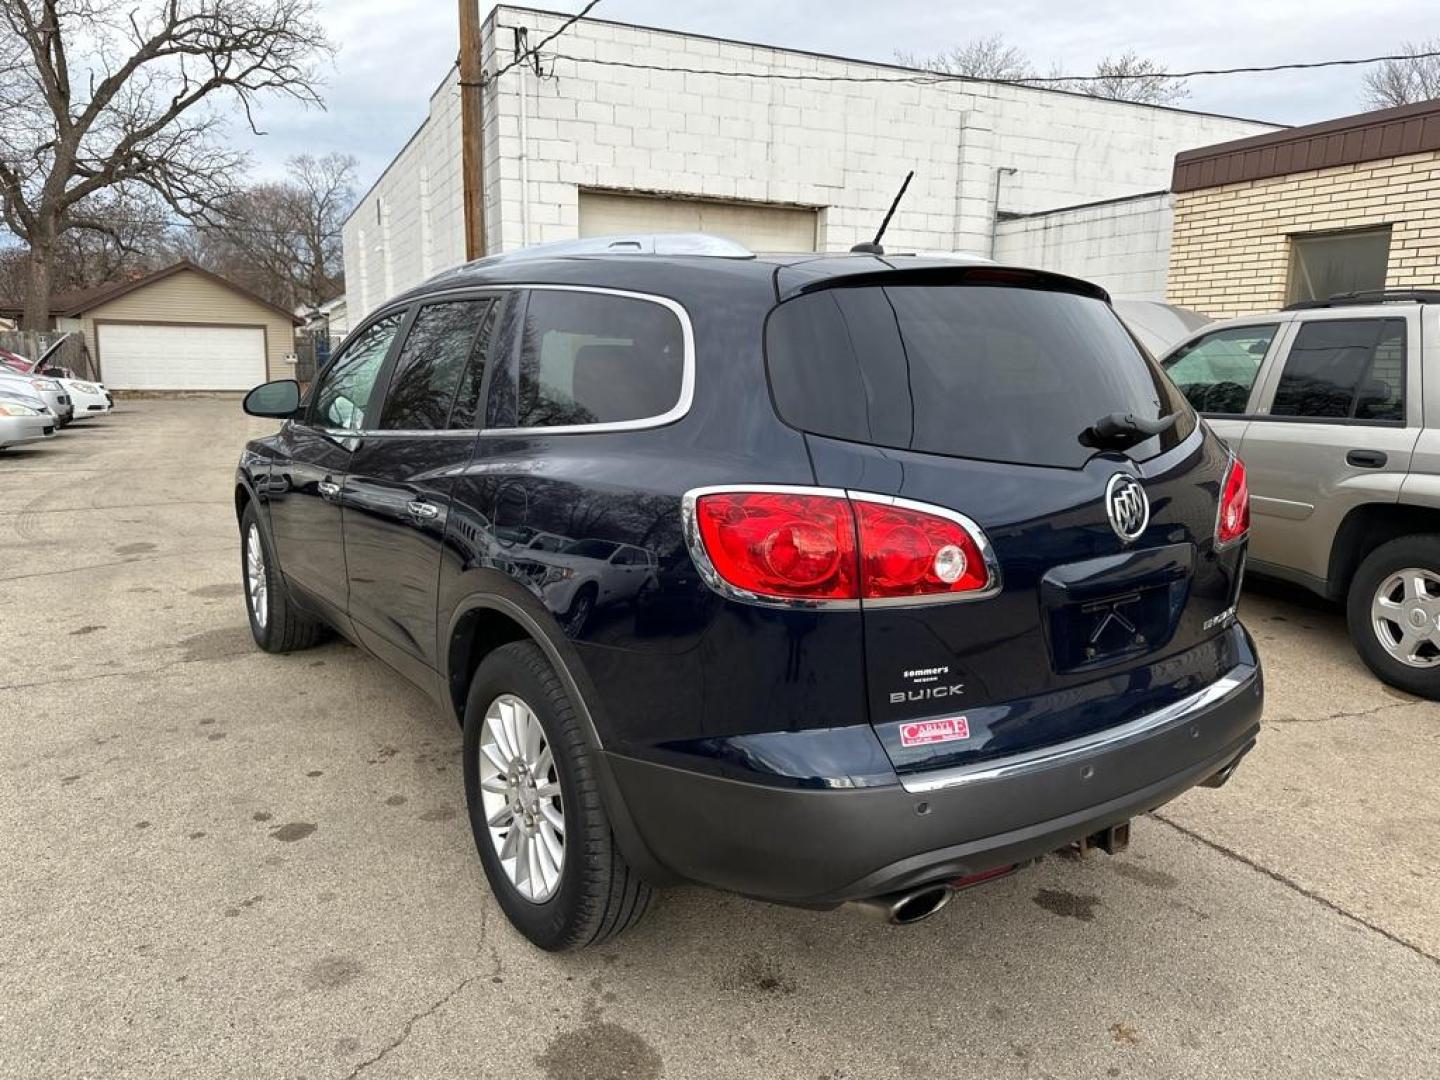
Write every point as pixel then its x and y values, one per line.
pixel 594 358
pixel 439 350
pixel 342 399
pixel 1342 369
pixel 1215 372
pixel 1325 264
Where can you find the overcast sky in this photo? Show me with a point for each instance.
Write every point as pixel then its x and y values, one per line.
pixel 392 54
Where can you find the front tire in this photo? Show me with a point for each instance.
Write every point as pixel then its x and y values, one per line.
pixel 276 624
pixel 1393 611
pixel 529 781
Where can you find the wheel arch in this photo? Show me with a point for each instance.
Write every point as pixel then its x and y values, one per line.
pixel 481 623
pixel 1364 529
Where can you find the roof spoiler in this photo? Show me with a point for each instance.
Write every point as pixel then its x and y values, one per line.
pixel 977 275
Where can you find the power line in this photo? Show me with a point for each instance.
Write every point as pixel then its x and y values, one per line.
pixel 535 52
pixel 931 77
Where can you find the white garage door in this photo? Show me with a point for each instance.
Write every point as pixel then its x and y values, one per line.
pixel 134 357
pixel 757 226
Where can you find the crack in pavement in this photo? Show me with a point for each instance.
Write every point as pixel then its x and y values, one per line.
pixel 117 506
pixel 1295 886
pixel 1347 715
pixel 69 680
pixel 431 1009
pixel 122 562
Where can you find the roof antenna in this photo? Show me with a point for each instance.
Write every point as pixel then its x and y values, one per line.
pixel 873 247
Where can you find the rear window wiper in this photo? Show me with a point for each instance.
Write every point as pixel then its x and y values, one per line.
pixel 1120 431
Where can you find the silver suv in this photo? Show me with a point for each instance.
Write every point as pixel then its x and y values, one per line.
pixel 1334 407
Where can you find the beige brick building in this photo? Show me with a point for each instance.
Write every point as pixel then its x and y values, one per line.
pixel 1350 204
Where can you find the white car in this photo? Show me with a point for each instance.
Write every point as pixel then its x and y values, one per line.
pixel 23 421
pixel 86 398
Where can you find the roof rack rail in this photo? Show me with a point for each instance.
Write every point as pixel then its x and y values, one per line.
pixel 1370 296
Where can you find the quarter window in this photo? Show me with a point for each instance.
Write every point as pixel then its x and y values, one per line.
pixel 1345 369
pixel 593 358
pixel 342 399
pixel 1215 372
pixel 442 347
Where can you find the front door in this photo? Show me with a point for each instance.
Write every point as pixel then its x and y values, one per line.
pixel 307 479
pixel 398 490
pixel 1336 428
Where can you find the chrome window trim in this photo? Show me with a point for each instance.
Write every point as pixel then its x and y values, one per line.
pixel 687 373
pixel 712 577
pixel 1173 715
pixel 977 534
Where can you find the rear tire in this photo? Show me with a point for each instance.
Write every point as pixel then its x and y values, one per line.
pixel 1394 620
pixel 276 623
pixel 597 894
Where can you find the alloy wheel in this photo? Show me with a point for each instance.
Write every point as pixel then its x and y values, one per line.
pixel 1405 614
pixel 256 583
pixel 520 797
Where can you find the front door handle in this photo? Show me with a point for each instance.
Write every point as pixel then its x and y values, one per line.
pixel 328 489
pixel 423 510
pixel 1366 459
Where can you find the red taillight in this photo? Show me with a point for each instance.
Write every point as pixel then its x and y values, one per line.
pixel 828 547
pixel 907 552
pixel 1234 518
pixel 791 546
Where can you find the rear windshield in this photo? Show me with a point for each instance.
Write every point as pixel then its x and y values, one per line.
pixel 979 371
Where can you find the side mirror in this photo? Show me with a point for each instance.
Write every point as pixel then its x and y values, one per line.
pixel 278 400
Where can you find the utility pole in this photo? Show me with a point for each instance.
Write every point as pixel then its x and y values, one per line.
pixel 472 128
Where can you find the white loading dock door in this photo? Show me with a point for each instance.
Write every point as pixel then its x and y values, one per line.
pixel 149 357
pixel 758 226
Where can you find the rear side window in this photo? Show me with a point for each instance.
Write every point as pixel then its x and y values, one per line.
pixel 595 358
pixel 1345 369
pixel 435 356
pixel 989 372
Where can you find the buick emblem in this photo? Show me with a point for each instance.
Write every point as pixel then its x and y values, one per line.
pixel 1128 507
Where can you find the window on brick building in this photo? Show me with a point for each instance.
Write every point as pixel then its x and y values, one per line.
pixel 1323 264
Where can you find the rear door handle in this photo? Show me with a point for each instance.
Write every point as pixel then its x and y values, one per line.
pixel 423 510
pixel 328 489
pixel 1367 459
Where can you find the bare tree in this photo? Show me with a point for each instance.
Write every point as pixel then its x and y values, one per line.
pixel 1403 82
pixel 984 58
pixel 1128 77
pixel 99 100
pixel 282 239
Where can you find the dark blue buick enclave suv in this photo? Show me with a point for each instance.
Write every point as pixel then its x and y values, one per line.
pixel 817 578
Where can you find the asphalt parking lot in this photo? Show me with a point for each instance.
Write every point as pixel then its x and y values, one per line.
pixel 219 863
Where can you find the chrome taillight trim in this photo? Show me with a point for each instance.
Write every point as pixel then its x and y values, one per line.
pixel 977 534
pixel 1226 545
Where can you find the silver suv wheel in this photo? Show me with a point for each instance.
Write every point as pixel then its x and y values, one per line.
pixel 1405 614
pixel 257 585
pixel 520 796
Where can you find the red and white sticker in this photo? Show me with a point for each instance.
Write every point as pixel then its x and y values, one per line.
pixel 927 732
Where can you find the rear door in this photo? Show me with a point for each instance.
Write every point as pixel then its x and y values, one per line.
pixel 1335 427
pixel 398 489
pixel 975 397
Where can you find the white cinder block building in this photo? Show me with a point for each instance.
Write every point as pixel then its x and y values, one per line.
pixel 586 147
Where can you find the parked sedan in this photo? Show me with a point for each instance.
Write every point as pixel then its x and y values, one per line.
pixel 47 389
pixel 23 419
pixel 86 398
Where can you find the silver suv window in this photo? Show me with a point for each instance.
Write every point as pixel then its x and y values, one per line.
pixel 1216 371
pixel 1345 369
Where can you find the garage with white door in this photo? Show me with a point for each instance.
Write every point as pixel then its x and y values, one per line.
pixel 758 226
pixel 185 329
pixel 146 356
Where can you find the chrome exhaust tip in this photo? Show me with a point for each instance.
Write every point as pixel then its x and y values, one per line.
pixel 908 907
